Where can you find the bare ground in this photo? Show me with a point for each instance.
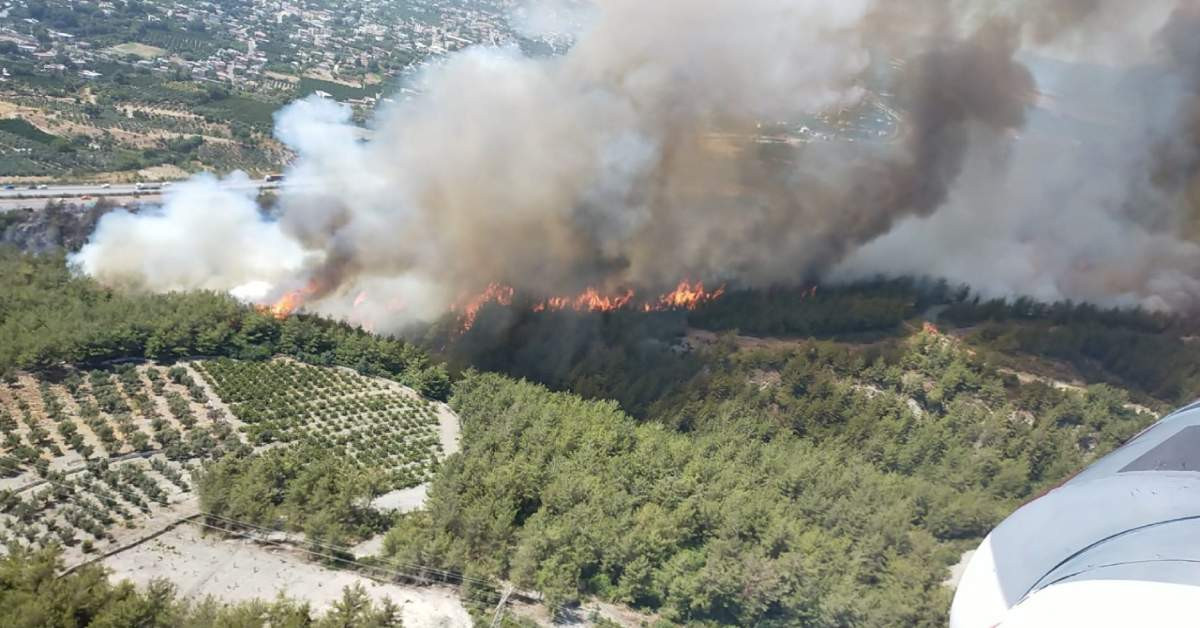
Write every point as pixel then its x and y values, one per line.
pixel 449 429
pixel 402 500
pixel 957 571
pixel 1075 386
pixel 587 615
pixel 238 570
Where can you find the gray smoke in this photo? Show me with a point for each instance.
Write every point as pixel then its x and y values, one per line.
pixel 1096 202
pixel 631 160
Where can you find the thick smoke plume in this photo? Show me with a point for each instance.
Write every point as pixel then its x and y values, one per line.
pixel 1097 201
pixel 635 159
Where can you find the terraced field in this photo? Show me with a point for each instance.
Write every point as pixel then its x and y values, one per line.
pixel 94 460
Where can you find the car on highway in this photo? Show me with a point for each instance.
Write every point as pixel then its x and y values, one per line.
pixel 105 186
pixel 43 186
pixel 86 197
pixel 10 187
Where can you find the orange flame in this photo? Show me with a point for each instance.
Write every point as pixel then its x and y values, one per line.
pixel 494 293
pixel 685 296
pixel 286 304
pixel 589 300
pixel 289 302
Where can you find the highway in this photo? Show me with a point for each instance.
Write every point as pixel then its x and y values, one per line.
pixel 25 197
pixel 115 189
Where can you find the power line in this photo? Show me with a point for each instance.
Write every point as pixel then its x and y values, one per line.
pixel 102 516
pixel 348 550
pixel 401 570
pixel 502 594
pixel 311 552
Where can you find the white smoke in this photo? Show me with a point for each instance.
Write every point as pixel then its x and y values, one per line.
pixel 208 235
pixel 552 19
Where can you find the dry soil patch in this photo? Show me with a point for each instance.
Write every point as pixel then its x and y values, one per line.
pixel 238 570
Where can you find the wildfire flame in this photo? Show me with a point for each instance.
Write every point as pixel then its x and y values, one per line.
pixel 286 304
pixel 589 300
pixel 289 302
pixel 685 296
pixel 469 308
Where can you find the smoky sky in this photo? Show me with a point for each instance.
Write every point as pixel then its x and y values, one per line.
pixel 642 156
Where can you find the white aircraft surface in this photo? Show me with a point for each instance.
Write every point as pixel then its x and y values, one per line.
pixel 1116 545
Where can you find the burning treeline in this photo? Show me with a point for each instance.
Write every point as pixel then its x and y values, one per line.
pixel 595 168
pixel 685 296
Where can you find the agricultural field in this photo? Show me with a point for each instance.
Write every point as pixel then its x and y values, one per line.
pixel 138 50
pixel 129 122
pixel 94 460
pixel 376 423
pixel 73 143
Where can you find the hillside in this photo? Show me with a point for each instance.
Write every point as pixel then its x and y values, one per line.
pixel 782 481
pixel 826 465
pixel 119 446
pixel 441 313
